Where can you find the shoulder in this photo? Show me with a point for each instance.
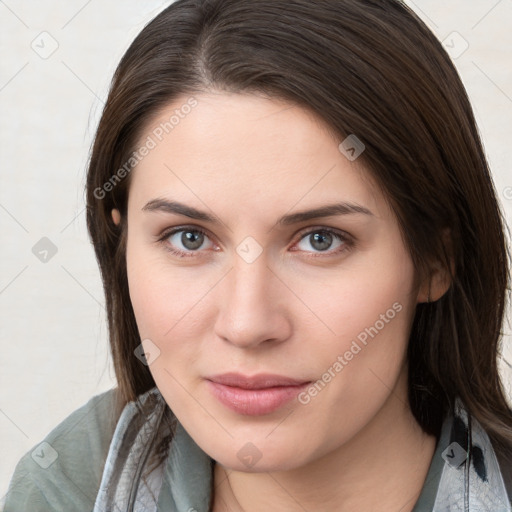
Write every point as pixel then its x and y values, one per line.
pixel 64 471
pixel 504 458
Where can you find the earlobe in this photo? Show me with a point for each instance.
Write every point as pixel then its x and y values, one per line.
pixel 116 216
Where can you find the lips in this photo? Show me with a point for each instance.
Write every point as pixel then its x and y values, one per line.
pixel 256 395
pixel 261 381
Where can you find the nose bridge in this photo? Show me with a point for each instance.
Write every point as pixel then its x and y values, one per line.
pixel 250 281
pixel 249 309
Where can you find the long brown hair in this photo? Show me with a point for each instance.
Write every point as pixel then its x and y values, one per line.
pixel 367 67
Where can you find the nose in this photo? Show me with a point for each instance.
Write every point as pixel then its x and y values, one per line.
pixel 252 306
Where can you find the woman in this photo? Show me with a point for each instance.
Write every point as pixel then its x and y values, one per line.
pixel 305 274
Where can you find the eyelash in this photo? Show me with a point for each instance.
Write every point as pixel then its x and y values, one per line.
pixel 348 241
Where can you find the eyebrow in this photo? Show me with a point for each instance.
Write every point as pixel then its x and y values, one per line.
pixel 329 210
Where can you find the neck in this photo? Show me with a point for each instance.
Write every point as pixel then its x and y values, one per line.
pixel 390 457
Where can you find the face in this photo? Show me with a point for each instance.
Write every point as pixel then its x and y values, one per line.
pixel 248 286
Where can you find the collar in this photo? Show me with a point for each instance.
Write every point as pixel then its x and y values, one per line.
pixel 464 475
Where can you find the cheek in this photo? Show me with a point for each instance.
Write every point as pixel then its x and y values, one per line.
pixel 376 292
pixel 166 299
pixel 153 298
pixel 360 303
pixel 368 310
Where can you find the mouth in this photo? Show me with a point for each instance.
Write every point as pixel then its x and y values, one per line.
pixel 256 395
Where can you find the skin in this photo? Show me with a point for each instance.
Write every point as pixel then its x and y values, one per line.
pixel 249 160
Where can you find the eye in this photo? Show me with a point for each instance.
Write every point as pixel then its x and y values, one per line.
pixel 184 241
pixel 322 240
pixel 187 241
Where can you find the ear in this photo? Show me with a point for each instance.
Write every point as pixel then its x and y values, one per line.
pixel 116 216
pixel 439 280
pixel 435 285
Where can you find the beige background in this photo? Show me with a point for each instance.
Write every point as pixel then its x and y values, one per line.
pixel 52 324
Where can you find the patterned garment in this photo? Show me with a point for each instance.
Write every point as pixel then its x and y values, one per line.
pixel 470 481
pixel 122 488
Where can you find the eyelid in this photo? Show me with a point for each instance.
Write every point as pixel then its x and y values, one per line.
pixel 167 232
pixel 314 229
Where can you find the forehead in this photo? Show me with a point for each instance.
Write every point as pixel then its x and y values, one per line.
pixel 240 147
